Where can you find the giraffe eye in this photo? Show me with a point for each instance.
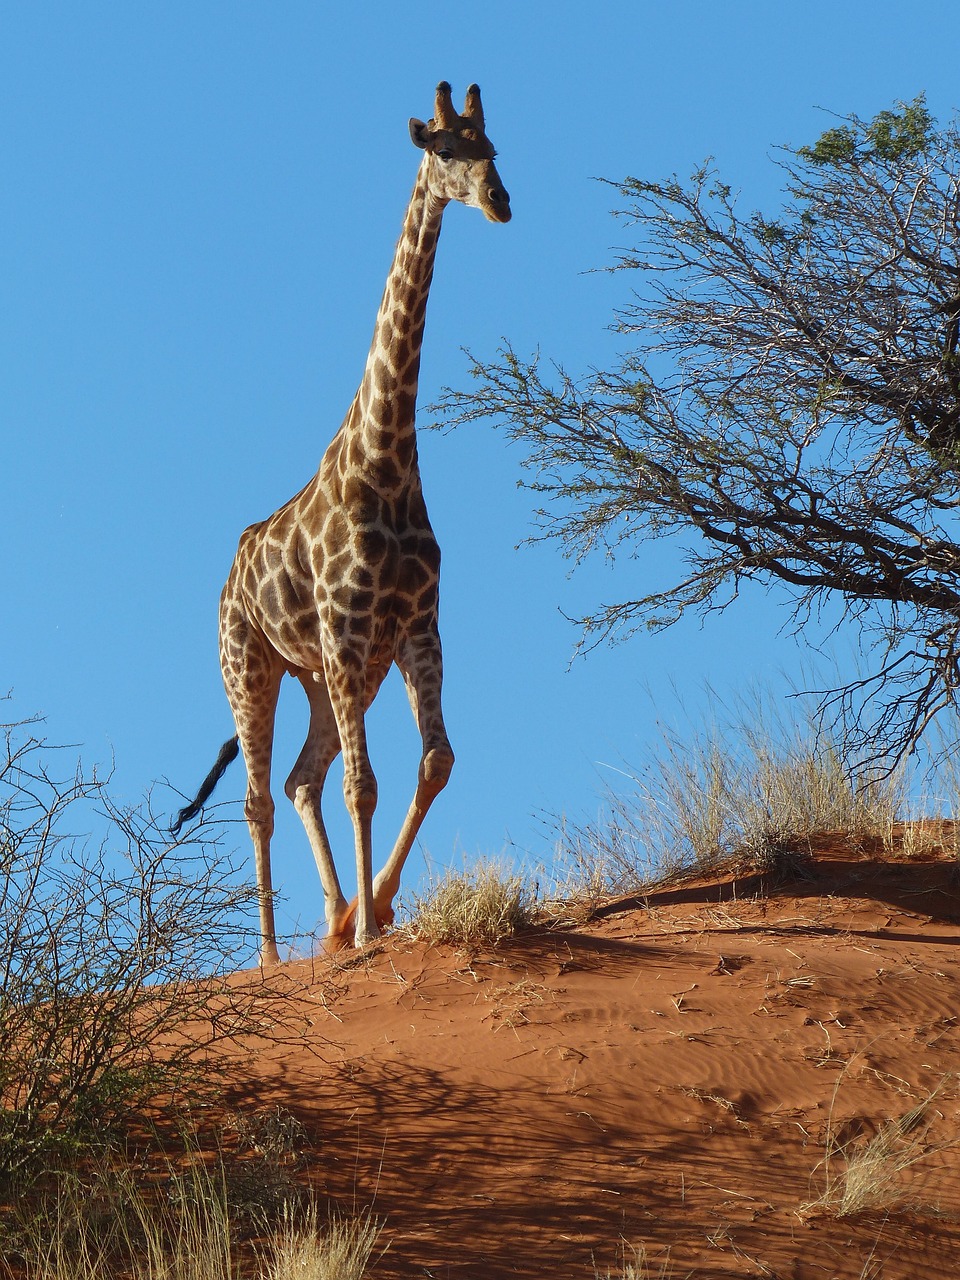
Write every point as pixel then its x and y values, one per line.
pixel 445 153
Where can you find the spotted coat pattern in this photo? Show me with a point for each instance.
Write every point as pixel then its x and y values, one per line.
pixel 342 581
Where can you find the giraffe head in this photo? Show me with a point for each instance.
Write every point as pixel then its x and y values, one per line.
pixel 459 164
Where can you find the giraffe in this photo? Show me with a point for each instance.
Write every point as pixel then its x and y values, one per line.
pixel 342 581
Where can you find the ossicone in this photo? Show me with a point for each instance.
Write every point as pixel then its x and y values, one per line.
pixel 444 113
pixel 473 108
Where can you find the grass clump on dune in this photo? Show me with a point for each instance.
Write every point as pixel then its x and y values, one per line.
pixel 750 790
pixel 479 906
pixel 636 1265
pixel 870 1172
pixel 184 1229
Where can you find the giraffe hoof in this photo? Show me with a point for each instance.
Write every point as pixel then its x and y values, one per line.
pixel 340 930
pixel 343 931
pixel 334 942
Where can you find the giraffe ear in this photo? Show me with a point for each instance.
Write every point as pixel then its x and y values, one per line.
pixel 421 133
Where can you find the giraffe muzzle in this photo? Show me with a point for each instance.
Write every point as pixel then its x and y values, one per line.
pixel 498 205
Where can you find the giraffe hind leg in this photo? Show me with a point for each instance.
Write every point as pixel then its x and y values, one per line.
pixel 421 665
pixel 252 683
pixel 384 916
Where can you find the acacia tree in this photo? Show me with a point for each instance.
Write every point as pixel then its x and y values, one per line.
pixel 789 411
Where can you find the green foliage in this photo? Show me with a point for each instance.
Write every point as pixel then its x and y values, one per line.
pixel 834 146
pixel 769 233
pixel 891 136
pixel 902 136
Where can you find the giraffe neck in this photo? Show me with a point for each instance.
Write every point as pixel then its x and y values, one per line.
pixel 381 436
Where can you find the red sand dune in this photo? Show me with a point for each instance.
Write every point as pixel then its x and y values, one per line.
pixel 667 1073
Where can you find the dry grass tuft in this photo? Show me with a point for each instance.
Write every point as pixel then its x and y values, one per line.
pixel 512 1001
pixel 476 907
pixel 929 836
pixel 871 1171
pixel 189 1234
pixel 748 793
pixel 636 1265
pixel 305 1250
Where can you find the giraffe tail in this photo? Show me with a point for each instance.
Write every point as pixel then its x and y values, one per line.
pixel 228 753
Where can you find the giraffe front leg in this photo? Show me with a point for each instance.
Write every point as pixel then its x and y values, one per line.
pixel 258 810
pixel 360 794
pixel 421 664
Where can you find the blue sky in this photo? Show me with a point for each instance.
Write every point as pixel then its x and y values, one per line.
pixel 199 207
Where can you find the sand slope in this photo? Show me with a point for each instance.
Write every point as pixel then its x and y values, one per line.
pixel 666 1073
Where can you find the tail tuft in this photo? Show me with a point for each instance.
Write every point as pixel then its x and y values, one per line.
pixel 228 753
